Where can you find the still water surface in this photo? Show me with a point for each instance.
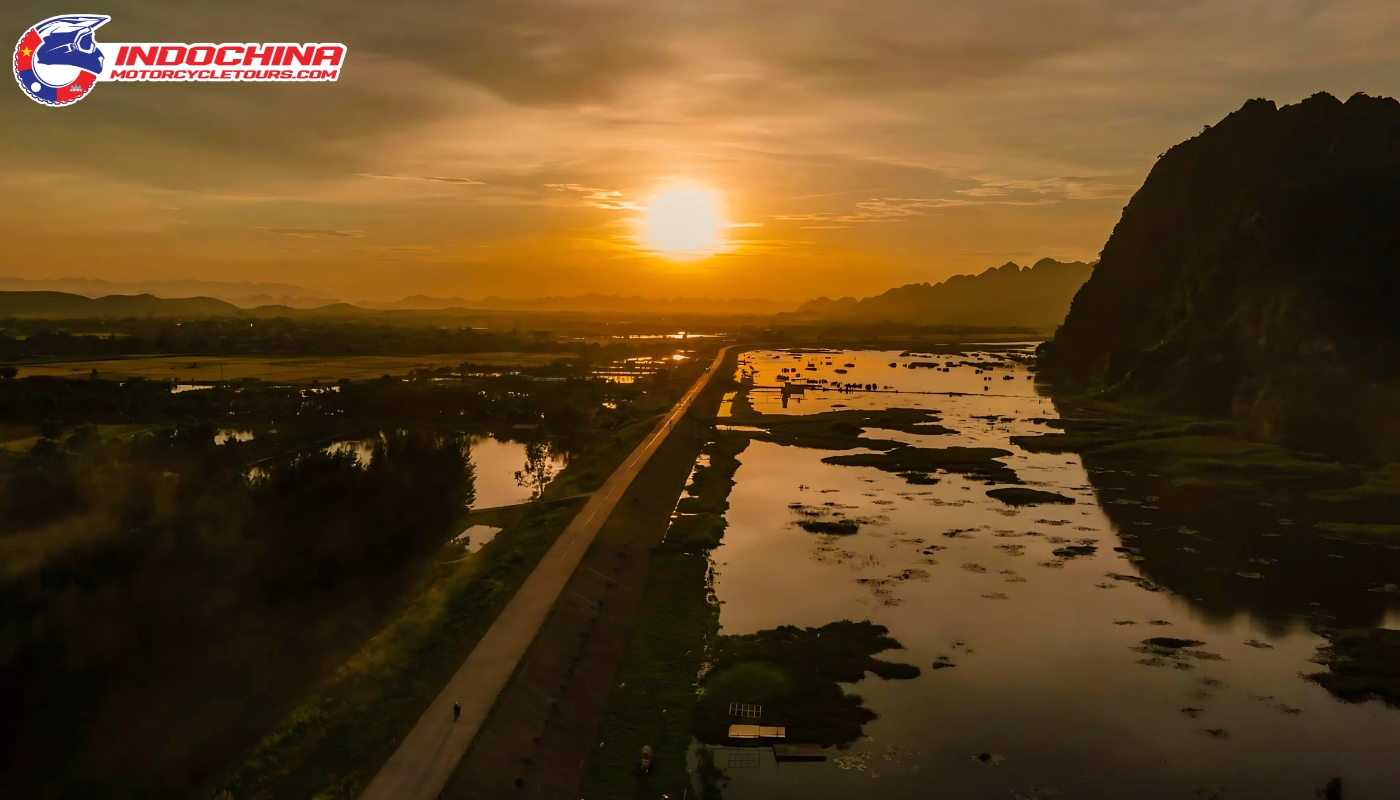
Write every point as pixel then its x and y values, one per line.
pixel 496 462
pixel 1046 678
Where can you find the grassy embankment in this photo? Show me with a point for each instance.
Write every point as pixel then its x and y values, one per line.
pixel 332 744
pixel 667 647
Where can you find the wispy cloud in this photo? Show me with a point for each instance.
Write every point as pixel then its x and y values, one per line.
pixel 1065 187
pixel 879 209
pixel 595 197
pixel 315 233
pixel 433 178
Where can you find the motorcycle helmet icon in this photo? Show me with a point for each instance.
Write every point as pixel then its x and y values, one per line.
pixel 69 48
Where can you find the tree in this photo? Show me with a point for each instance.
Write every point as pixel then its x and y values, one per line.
pixel 538 471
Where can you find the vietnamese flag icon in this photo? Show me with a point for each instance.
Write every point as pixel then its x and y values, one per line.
pixel 24 51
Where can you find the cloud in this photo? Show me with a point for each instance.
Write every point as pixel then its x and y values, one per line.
pixel 315 233
pixel 880 209
pixel 596 198
pixel 1065 187
pixel 434 178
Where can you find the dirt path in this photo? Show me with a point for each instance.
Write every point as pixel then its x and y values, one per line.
pixel 426 758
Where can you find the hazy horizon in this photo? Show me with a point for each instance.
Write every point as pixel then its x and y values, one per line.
pixel 510 149
pixel 250 294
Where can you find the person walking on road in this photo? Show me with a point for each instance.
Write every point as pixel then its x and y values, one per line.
pixel 456 711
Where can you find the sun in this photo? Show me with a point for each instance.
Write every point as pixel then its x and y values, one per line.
pixel 684 223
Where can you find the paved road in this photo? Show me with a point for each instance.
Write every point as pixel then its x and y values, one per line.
pixel 424 761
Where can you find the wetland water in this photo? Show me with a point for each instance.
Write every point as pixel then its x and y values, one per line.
pixel 507 472
pixel 1052 688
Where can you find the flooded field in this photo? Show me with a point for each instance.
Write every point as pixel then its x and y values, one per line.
pixel 508 472
pixel 1091 631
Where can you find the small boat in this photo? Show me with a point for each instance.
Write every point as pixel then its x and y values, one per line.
pixel 850 365
pixel 840 372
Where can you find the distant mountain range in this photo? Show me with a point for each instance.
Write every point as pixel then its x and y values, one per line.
pixel 244 294
pixel 62 305
pixel 593 303
pixel 1008 296
pixel 1037 296
pixel 1255 275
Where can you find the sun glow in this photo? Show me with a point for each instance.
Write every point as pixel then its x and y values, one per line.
pixel 684 223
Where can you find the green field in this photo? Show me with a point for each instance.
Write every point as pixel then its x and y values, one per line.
pixel 284 369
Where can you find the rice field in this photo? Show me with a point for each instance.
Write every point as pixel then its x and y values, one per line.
pixel 278 369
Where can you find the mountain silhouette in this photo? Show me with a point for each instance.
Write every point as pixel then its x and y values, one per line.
pixel 61 305
pixel 1256 274
pixel 1007 296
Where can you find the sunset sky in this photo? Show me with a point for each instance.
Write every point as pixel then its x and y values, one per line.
pixel 510 147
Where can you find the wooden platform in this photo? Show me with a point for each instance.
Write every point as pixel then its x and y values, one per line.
pixel 757 732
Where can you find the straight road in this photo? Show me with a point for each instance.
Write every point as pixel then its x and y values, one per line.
pixel 424 761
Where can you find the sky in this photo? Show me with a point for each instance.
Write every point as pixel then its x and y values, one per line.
pixel 514 147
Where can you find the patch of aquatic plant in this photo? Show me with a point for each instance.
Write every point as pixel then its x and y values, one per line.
pixel 699 523
pixel 1091 426
pixel 1171 642
pixel 838 527
pixel 1074 551
pixel 978 462
pixel 1361 664
pixel 1362 533
pixel 1140 582
pixel 841 430
pixel 1228 463
pixel 1381 489
pixel 1021 496
pixel 795 674
pixel 1202 453
pixel 1165 651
